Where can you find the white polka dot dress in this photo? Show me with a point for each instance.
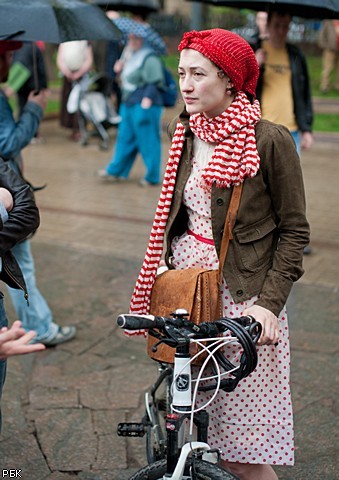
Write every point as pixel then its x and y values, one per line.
pixel 254 423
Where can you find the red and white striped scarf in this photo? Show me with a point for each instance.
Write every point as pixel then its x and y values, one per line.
pixel 235 157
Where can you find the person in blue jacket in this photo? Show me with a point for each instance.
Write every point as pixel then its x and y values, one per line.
pixel 14 136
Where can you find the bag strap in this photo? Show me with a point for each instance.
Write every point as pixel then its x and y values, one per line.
pixel 228 227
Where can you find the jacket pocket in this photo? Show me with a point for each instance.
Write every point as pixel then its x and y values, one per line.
pixel 256 244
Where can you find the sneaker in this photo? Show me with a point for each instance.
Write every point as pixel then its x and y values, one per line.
pixel 103 175
pixel 37 141
pixel 146 183
pixel 114 119
pixel 64 334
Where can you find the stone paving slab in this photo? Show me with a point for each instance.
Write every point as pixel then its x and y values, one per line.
pixel 61 406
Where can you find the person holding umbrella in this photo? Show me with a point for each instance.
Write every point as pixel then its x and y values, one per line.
pixel 14 136
pixel 138 22
pixel 284 73
pixel 30 58
pixel 139 131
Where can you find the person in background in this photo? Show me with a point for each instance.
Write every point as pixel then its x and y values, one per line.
pixel 284 74
pixel 260 31
pixel 105 54
pixel 329 43
pixel 219 141
pixel 139 131
pixel 284 88
pixel 261 22
pixel 30 55
pixel 152 38
pixel 14 136
pixel 74 60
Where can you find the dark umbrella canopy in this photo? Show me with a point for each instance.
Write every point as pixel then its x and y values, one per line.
pixel 135 6
pixel 55 21
pixel 317 9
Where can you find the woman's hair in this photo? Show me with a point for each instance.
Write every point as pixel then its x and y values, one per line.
pixel 278 11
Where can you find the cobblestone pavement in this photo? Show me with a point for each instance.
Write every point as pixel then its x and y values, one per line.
pixel 61 406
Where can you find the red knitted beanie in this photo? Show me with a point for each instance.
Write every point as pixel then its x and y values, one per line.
pixel 228 51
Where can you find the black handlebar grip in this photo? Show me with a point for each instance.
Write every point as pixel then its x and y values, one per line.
pixel 139 322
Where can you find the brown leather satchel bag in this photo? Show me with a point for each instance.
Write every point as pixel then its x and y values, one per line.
pixel 197 290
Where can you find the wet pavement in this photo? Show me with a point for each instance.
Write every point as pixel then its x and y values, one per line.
pixel 61 406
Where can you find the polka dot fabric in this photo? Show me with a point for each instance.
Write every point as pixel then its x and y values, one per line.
pixel 253 424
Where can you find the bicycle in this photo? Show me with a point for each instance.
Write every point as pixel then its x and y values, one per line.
pixel 172 456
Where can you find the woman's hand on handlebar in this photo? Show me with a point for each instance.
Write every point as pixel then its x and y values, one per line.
pixel 269 322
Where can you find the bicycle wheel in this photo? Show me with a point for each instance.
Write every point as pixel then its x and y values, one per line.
pixel 204 471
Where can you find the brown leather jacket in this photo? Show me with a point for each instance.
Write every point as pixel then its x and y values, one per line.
pixel 271 229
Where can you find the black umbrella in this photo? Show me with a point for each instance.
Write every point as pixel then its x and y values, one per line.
pixel 55 21
pixel 135 6
pixel 317 9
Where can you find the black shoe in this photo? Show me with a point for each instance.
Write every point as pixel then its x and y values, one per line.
pixel 64 334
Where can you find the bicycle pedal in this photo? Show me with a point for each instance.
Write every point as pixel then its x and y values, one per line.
pixel 131 429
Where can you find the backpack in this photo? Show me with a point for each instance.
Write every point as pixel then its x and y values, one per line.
pixel 170 91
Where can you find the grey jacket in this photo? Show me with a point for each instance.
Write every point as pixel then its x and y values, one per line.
pixel 271 229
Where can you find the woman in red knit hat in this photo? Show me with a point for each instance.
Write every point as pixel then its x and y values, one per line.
pixel 219 141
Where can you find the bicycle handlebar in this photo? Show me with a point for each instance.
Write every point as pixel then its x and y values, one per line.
pixel 185 328
pixel 140 322
pixel 177 330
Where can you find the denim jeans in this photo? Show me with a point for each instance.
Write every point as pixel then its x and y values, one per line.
pixel 296 137
pixel 3 363
pixel 138 132
pixel 37 316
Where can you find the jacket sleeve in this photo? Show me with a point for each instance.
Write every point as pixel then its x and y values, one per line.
pixel 14 136
pixel 283 176
pixel 23 219
pixel 306 126
pixel 301 86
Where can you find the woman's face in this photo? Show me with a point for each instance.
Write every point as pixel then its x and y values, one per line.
pixel 134 42
pixel 202 84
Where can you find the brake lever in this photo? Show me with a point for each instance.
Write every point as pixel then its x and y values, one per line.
pixel 167 341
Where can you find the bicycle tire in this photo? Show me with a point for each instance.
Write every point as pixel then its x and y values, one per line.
pixel 204 471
